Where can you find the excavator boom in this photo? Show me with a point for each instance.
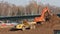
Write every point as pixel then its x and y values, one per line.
pixel 45 11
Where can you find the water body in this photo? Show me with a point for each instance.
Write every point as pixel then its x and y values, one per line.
pixel 21 18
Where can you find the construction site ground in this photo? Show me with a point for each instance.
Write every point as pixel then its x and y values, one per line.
pixel 45 28
pixel 38 30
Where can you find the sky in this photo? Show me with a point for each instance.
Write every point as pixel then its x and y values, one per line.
pixel 25 2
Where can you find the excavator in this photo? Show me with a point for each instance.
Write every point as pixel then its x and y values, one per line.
pixel 45 15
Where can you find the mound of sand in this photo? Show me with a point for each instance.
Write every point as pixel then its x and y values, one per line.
pixel 40 29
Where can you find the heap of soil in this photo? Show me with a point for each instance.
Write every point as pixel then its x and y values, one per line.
pixel 45 28
pixel 54 19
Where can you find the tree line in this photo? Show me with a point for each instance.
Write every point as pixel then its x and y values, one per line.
pixel 7 9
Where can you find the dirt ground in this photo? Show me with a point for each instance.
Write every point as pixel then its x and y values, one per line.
pixel 46 28
pixel 38 30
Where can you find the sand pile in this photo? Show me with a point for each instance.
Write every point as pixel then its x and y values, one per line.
pixel 52 20
pixel 40 29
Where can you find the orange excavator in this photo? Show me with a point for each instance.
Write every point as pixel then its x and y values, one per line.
pixel 44 16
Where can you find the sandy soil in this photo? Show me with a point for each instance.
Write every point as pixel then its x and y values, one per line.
pixel 38 30
pixel 46 28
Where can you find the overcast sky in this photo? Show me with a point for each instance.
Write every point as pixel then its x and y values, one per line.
pixel 24 2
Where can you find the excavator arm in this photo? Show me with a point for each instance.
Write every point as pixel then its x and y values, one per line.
pixel 44 14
